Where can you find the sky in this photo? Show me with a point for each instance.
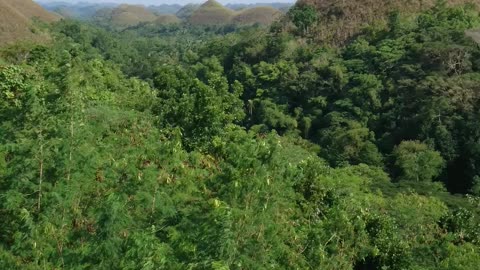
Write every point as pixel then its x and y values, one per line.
pixel 156 2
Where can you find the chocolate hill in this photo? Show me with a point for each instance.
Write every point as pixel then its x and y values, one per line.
pixel 125 15
pixel 211 13
pixel 16 20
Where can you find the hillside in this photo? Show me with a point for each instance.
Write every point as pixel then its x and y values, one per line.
pixel 65 12
pixel 257 15
pixel 125 15
pixel 211 12
pixel 340 20
pixel 16 20
pixel 165 9
pixel 167 19
pixel 30 9
pixel 186 11
pixel 276 5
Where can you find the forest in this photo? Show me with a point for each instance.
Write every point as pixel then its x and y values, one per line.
pixel 228 146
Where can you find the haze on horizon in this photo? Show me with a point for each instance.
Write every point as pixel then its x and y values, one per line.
pixel 159 2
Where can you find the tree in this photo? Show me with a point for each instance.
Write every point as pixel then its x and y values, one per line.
pixel 303 17
pixel 349 142
pixel 202 109
pixel 417 161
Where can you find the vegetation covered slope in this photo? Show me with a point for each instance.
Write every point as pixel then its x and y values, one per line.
pixel 257 15
pixel 165 9
pixel 340 20
pixel 186 11
pixel 180 147
pixel 65 12
pixel 16 20
pixel 277 5
pixel 77 10
pixel 167 19
pixel 211 13
pixel 30 9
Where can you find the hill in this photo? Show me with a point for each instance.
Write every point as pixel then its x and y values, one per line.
pixel 210 13
pixel 125 15
pixel 31 10
pixel 65 12
pixel 276 5
pixel 340 20
pixel 186 11
pixel 165 9
pixel 81 10
pixel 16 20
pixel 257 15
pixel 226 147
pixel 167 19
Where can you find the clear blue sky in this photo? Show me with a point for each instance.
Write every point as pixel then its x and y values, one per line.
pixel 153 2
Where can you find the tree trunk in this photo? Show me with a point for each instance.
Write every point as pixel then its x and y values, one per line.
pixel 40 181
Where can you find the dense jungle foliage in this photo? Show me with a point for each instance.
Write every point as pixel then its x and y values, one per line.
pixel 182 147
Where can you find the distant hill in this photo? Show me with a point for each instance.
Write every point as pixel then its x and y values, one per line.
pixel 186 11
pixel 16 18
pixel 340 20
pixel 211 12
pixel 165 9
pixel 125 16
pixel 280 6
pixel 257 15
pixel 80 10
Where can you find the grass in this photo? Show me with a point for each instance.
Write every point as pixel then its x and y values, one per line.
pixel 16 21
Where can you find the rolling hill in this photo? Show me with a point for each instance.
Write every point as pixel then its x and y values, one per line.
pixel 16 18
pixel 186 11
pixel 125 15
pixel 277 5
pixel 340 20
pixel 257 15
pixel 211 13
pixel 165 9
pixel 80 10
